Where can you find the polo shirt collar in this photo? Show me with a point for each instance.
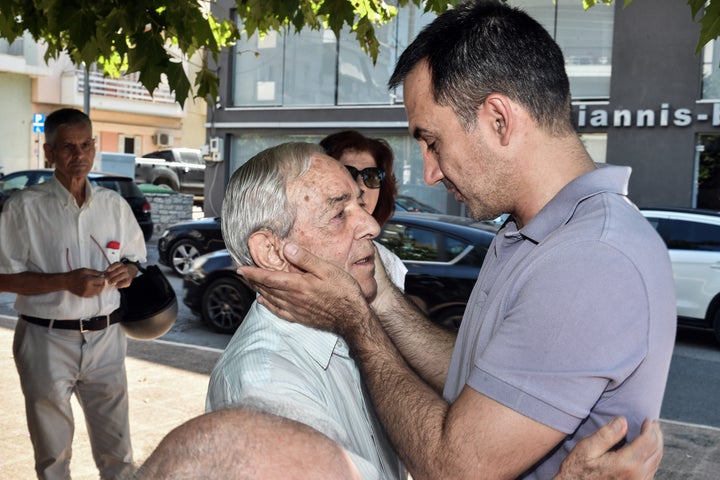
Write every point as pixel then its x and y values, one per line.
pixel 557 212
pixel 319 345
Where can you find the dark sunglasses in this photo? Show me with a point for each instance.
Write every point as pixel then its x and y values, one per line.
pixel 372 176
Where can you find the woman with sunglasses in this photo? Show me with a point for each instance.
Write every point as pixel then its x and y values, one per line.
pixel 370 163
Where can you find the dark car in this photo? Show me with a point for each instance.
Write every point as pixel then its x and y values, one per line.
pixel 214 290
pixel 181 243
pixel 443 255
pixel 125 186
pixel 403 203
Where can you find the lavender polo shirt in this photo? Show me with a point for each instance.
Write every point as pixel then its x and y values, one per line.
pixel 572 319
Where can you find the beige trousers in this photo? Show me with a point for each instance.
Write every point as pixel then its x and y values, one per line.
pixel 53 364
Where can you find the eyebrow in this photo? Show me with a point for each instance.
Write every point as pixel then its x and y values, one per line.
pixel 332 201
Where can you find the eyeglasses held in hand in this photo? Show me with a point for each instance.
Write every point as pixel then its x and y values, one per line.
pixel 372 176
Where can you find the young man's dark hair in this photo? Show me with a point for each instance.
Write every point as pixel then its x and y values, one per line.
pixel 486 47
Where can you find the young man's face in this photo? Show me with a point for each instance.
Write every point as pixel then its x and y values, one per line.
pixel 467 162
pixel 331 221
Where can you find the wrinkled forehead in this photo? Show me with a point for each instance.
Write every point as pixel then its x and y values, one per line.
pixel 324 180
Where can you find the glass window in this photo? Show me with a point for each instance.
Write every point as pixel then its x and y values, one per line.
pixel 711 73
pixel 411 243
pixel 585 37
pixel 408 23
pixel 313 68
pixel 359 81
pixel 258 70
pixel 191 157
pixel 474 257
pixel 310 66
pixel 408 165
pixel 17 182
pixel 247 146
pixel 687 235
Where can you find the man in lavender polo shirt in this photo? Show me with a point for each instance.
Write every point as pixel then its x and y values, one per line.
pixel 573 318
pixel 558 341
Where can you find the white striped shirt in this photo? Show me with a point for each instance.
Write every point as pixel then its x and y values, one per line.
pixel 307 375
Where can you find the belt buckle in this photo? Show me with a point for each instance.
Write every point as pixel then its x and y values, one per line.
pixel 83 329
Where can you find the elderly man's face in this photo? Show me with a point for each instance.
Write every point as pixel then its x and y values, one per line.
pixel 331 221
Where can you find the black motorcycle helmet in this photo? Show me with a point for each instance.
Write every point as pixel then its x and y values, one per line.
pixel 149 307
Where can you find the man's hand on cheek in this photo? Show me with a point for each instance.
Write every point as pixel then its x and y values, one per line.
pixel 323 296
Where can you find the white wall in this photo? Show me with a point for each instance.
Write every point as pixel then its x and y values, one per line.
pixel 16 137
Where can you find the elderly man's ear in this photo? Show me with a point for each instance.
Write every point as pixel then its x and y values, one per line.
pixel 266 250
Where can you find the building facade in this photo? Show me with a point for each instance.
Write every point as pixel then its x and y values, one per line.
pixel 126 119
pixel 641 97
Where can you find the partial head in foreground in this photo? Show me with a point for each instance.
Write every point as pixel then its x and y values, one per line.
pixel 245 444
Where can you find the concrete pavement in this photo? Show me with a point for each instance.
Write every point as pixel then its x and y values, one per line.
pixel 167 385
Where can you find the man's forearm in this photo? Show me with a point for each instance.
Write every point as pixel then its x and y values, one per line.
pixel 426 346
pixel 35 283
pixel 412 412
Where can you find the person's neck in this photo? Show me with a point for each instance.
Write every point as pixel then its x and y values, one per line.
pixel 76 187
pixel 548 169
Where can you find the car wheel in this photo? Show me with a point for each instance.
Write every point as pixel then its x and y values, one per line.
pixel 225 303
pixel 716 325
pixel 450 317
pixel 182 255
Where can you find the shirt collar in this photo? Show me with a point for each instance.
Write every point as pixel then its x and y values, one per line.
pixel 320 345
pixel 559 210
pixel 66 198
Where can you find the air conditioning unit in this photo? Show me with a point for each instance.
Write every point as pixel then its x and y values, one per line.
pixel 162 139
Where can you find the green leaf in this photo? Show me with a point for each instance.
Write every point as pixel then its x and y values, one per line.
pixel 710 24
pixel 178 81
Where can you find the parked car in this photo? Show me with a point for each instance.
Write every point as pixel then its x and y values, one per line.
pixel 125 186
pixel 403 203
pixel 180 244
pixel 214 290
pixel 182 169
pixel 443 255
pixel 693 240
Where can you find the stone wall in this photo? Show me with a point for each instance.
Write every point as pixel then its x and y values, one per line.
pixel 167 209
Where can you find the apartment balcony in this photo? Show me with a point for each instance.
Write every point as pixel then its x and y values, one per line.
pixel 125 94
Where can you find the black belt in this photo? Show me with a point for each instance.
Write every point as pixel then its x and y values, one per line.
pixel 82 325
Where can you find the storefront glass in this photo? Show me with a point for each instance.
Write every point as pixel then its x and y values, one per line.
pixel 585 37
pixel 313 68
pixel 408 166
pixel 711 72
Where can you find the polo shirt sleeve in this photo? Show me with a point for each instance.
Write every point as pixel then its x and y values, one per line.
pixel 569 334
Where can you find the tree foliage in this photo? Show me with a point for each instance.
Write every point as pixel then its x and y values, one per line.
pixel 153 37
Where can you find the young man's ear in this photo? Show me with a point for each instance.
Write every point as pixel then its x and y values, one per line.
pixel 499 111
pixel 266 250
